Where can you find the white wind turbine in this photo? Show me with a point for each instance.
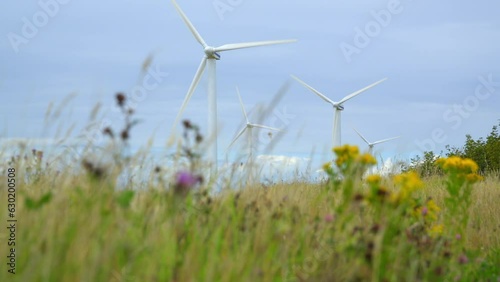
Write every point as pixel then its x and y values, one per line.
pixel 337 106
pixel 248 128
pixel 371 144
pixel 211 55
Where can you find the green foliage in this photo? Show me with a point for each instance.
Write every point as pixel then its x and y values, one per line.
pixel 485 152
pixel 33 204
pixel 425 166
pixel 124 198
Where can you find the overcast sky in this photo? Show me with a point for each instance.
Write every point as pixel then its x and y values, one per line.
pixel 440 57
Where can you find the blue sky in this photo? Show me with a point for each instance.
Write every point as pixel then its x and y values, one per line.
pixel 437 56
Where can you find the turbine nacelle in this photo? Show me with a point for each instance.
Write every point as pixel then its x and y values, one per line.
pixel 338 107
pixel 211 53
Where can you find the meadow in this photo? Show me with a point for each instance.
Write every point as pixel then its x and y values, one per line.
pixel 79 227
pixel 84 225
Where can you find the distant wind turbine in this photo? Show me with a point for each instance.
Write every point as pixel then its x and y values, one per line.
pixel 248 128
pixel 211 55
pixel 337 106
pixel 371 144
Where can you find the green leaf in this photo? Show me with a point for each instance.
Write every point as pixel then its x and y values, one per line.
pixel 125 198
pixel 33 204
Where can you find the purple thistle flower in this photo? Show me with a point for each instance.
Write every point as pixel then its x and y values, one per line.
pixel 185 181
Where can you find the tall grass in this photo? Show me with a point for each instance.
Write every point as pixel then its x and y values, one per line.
pixel 77 226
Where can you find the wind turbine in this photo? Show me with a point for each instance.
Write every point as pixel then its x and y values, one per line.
pixel 211 55
pixel 248 127
pixel 371 144
pixel 337 106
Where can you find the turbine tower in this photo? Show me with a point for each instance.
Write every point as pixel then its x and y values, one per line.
pixel 337 106
pixel 211 55
pixel 371 144
pixel 248 128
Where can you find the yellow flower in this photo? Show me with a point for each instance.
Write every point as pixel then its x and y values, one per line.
pixel 433 210
pixel 432 206
pixel 457 164
pixel 367 159
pixel 409 182
pixel 373 179
pixel 462 169
pixel 327 166
pixel 473 178
pixel 436 230
pixel 345 154
pixel 470 165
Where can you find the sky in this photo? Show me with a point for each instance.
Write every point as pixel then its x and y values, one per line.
pixel 440 57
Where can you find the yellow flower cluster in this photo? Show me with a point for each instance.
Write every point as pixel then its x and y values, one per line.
pixel 458 164
pixel 374 179
pixel 409 183
pixel 429 211
pixel 347 154
pixel 464 168
pixel 327 166
pixel 367 159
pixel 435 230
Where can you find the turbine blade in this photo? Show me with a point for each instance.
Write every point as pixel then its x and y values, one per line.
pixel 313 90
pixel 234 46
pixel 367 142
pixel 350 96
pixel 241 103
pixel 265 127
pixel 385 140
pixel 194 83
pixel 189 25
pixel 237 136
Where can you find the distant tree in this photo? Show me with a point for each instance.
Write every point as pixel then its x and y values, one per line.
pixel 425 166
pixel 485 152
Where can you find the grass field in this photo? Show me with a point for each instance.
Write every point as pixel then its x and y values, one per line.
pixel 79 227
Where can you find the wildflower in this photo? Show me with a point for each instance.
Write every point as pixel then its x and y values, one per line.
pixel 120 99
pixel 424 211
pixel 329 218
pixel 327 166
pixel 436 230
pixel 108 131
pixel 367 159
pixel 473 178
pixel 185 181
pixel 463 259
pixel 199 138
pixel 409 183
pixel 187 124
pixel 124 135
pixel 373 179
pixel 457 164
pixel 345 154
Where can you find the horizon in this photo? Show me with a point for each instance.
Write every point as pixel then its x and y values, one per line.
pixel 443 83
